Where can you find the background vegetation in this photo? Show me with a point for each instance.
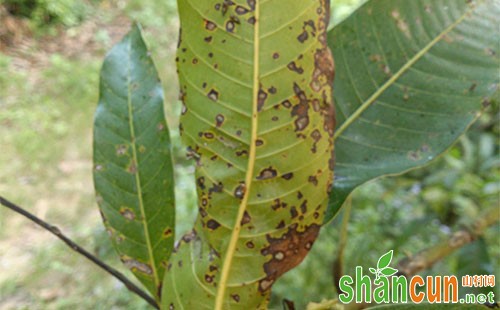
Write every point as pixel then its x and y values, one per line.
pixel 50 54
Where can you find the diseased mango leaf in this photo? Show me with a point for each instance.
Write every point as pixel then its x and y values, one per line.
pixel 410 78
pixel 255 80
pixel 133 174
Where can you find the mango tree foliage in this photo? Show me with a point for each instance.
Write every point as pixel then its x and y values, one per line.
pixel 132 162
pixel 411 77
pixel 258 121
pixel 257 118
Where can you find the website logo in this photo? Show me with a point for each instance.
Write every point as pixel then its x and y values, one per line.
pixel 388 287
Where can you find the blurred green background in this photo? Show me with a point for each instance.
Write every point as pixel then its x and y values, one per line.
pixel 50 55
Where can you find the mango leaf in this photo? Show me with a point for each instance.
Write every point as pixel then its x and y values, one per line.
pixel 410 79
pixel 132 161
pixel 255 80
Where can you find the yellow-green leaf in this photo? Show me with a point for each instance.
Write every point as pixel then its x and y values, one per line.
pixel 255 80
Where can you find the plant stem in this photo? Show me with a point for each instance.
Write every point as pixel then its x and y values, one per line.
pixel 428 257
pixel 75 247
pixel 338 264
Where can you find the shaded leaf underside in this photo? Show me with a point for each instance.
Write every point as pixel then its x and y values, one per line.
pixel 411 77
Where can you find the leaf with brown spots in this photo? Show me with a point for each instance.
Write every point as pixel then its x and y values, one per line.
pixel 133 174
pixel 411 78
pixel 267 99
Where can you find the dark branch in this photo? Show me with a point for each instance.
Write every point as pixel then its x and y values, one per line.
pixel 75 247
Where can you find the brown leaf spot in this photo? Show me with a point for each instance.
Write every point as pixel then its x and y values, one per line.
pixel 287 104
pixel 241 153
pixel 261 99
pixel 281 225
pixel 303 36
pixel 239 192
pixel 241 10
pixel 329 119
pixel 127 213
pixel 190 236
pixel 210 26
pixel 401 23
pixel 135 265
pixel 300 110
pixel 303 207
pixel 209 278
pixel 267 173
pixel 324 69
pixel 208 135
pixel 278 204
pixel 121 150
pixel 299 195
pixel 414 155
pixel 246 218
pixel 292 66
pixel 200 182
pixel 216 188
pixel 219 120
pixel 132 168
pixel 213 95
pixel 251 4
pixel 293 246
pixel 202 211
pixel 250 244
pixel 213 224
pixel 230 25
pixel 287 176
pixel 235 297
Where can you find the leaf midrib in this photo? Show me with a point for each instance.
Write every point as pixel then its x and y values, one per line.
pixel 136 163
pixel 219 299
pixel 398 74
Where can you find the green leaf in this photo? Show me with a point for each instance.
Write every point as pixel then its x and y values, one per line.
pixel 384 260
pixel 410 78
pixel 133 174
pixel 388 271
pixel 255 80
pixel 373 270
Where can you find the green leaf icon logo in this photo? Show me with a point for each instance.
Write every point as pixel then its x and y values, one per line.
pixel 388 271
pixel 383 269
pixel 384 260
